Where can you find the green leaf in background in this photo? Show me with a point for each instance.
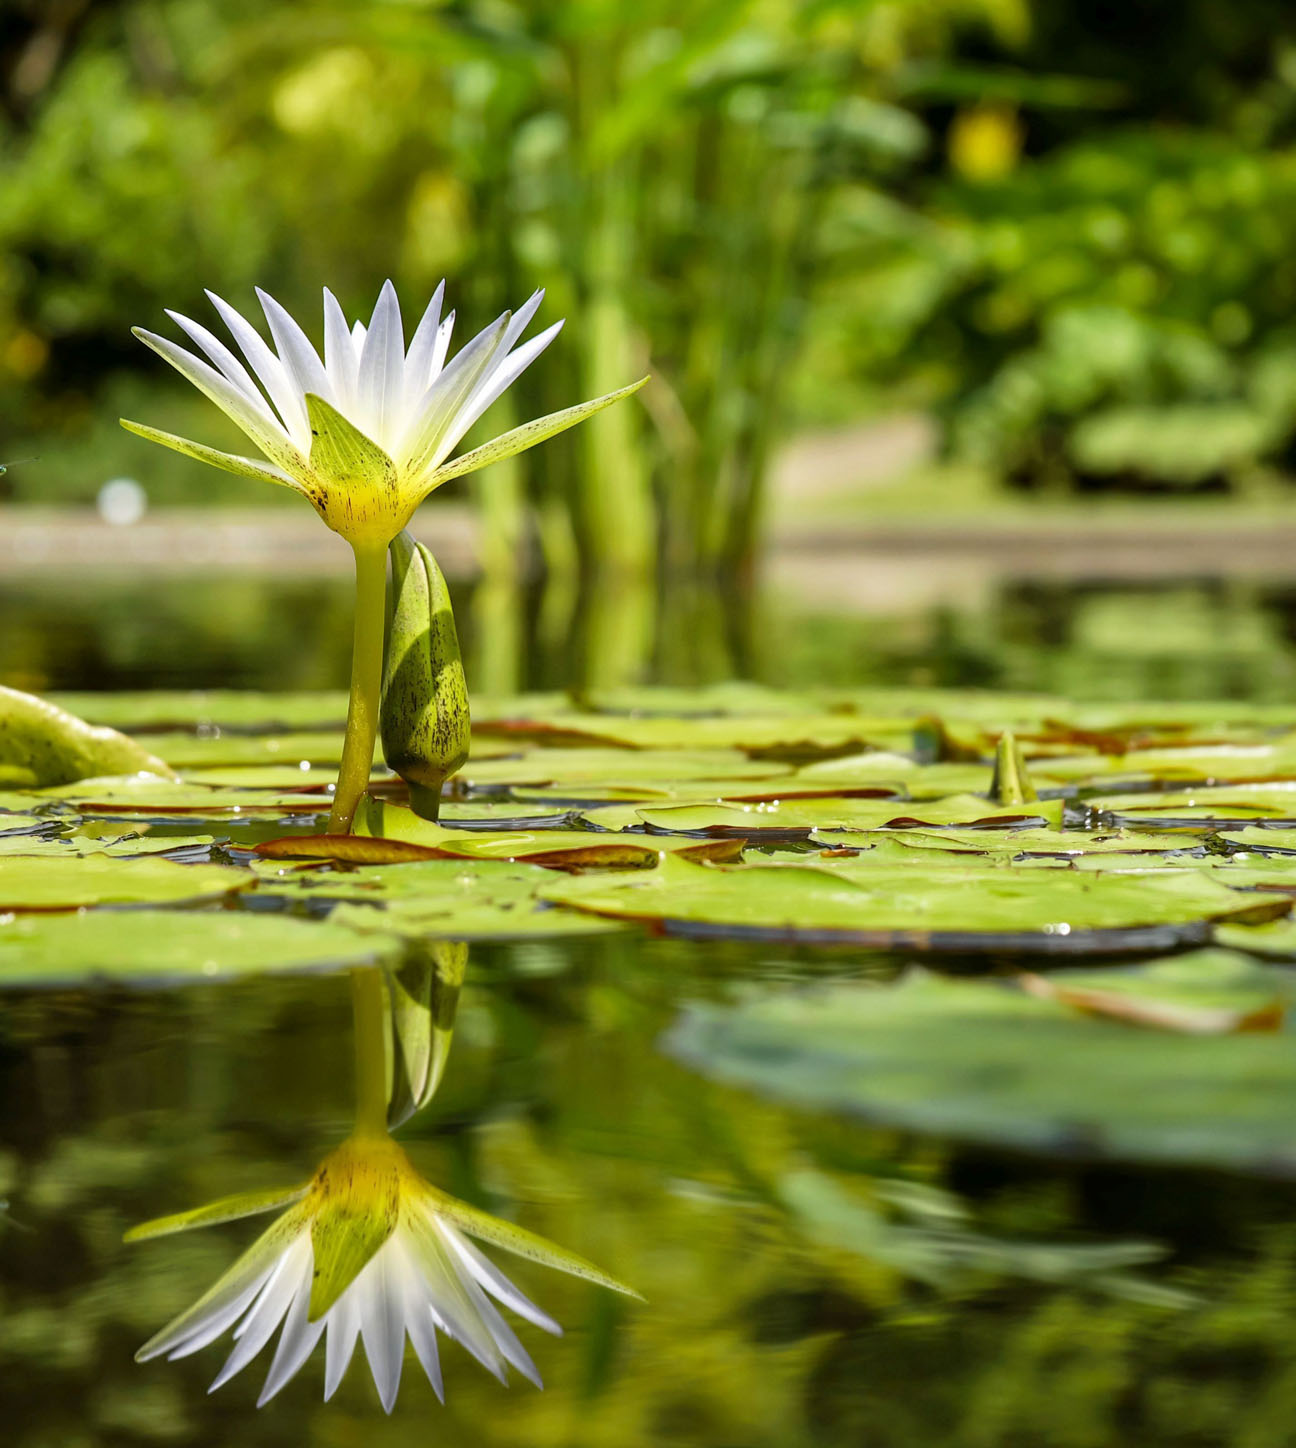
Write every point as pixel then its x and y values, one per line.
pixel 983 1061
pixel 162 947
pixel 1050 910
pixel 41 883
pixel 162 798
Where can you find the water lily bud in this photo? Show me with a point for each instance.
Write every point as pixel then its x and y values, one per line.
pixel 424 716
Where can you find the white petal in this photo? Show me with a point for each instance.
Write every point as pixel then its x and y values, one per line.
pixel 268 1311
pixel 343 1321
pixel 273 375
pixel 251 1270
pixel 507 1342
pixel 341 356
pixel 422 447
pixel 452 1302
pixel 358 337
pixel 382 1321
pixel 224 359
pixel 422 1330
pixel 296 1341
pixel 495 1282
pixel 521 321
pixel 212 1327
pixel 295 350
pixel 491 387
pixel 439 351
pixel 266 432
pixel 380 387
pixel 418 360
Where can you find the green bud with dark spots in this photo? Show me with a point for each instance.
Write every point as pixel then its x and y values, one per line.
pixel 424 717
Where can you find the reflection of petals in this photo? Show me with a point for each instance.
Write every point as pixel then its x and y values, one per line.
pixel 423 1277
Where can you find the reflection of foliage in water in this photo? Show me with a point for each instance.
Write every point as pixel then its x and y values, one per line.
pixel 558 1100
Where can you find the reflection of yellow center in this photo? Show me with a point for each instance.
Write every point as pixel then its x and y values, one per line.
pixel 353 1205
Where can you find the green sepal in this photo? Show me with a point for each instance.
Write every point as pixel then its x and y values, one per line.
pixel 341 453
pixel 519 439
pixel 227 1209
pixel 518 1240
pixel 344 1237
pixel 1011 782
pixel 227 462
pixel 424 718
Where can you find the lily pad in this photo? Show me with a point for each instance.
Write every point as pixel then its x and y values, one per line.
pixel 445 899
pixel 123 846
pixel 40 883
pixel 160 797
pixel 801 816
pixel 580 771
pixel 1053 911
pixel 987 1062
pixel 161 709
pixel 148 947
pixel 1222 804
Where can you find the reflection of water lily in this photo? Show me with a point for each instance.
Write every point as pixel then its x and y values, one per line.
pixel 364 433
pixel 367 1249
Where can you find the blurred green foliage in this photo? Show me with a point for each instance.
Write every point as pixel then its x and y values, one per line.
pixel 1069 228
pixel 1100 282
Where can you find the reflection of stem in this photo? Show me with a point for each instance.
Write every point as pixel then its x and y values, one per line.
pixel 371 1053
pixel 366 683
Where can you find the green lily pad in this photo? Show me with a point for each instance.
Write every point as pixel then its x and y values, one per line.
pixel 148 947
pixel 1054 911
pixel 1028 842
pixel 162 709
pixel 41 883
pixel 230 753
pixel 1275 940
pixel 560 849
pixel 1224 803
pixel 160 797
pixel 984 1061
pixel 445 899
pixel 578 771
pixel 19 824
pixel 846 815
pixel 119 846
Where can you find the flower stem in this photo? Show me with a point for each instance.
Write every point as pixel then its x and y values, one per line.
pixel 366 686
pixel 370 1053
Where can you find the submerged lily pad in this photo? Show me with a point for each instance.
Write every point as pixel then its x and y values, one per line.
pixel 146 947
pixel 988 1062
pixel 42 883
pixel 1055 911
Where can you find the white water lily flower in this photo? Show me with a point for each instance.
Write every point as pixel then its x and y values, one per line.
pixel 367 1250
pixel 364 433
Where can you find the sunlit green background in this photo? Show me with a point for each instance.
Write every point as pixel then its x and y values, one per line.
pixel 1065 231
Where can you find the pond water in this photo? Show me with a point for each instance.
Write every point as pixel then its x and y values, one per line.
pixel 810 1278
